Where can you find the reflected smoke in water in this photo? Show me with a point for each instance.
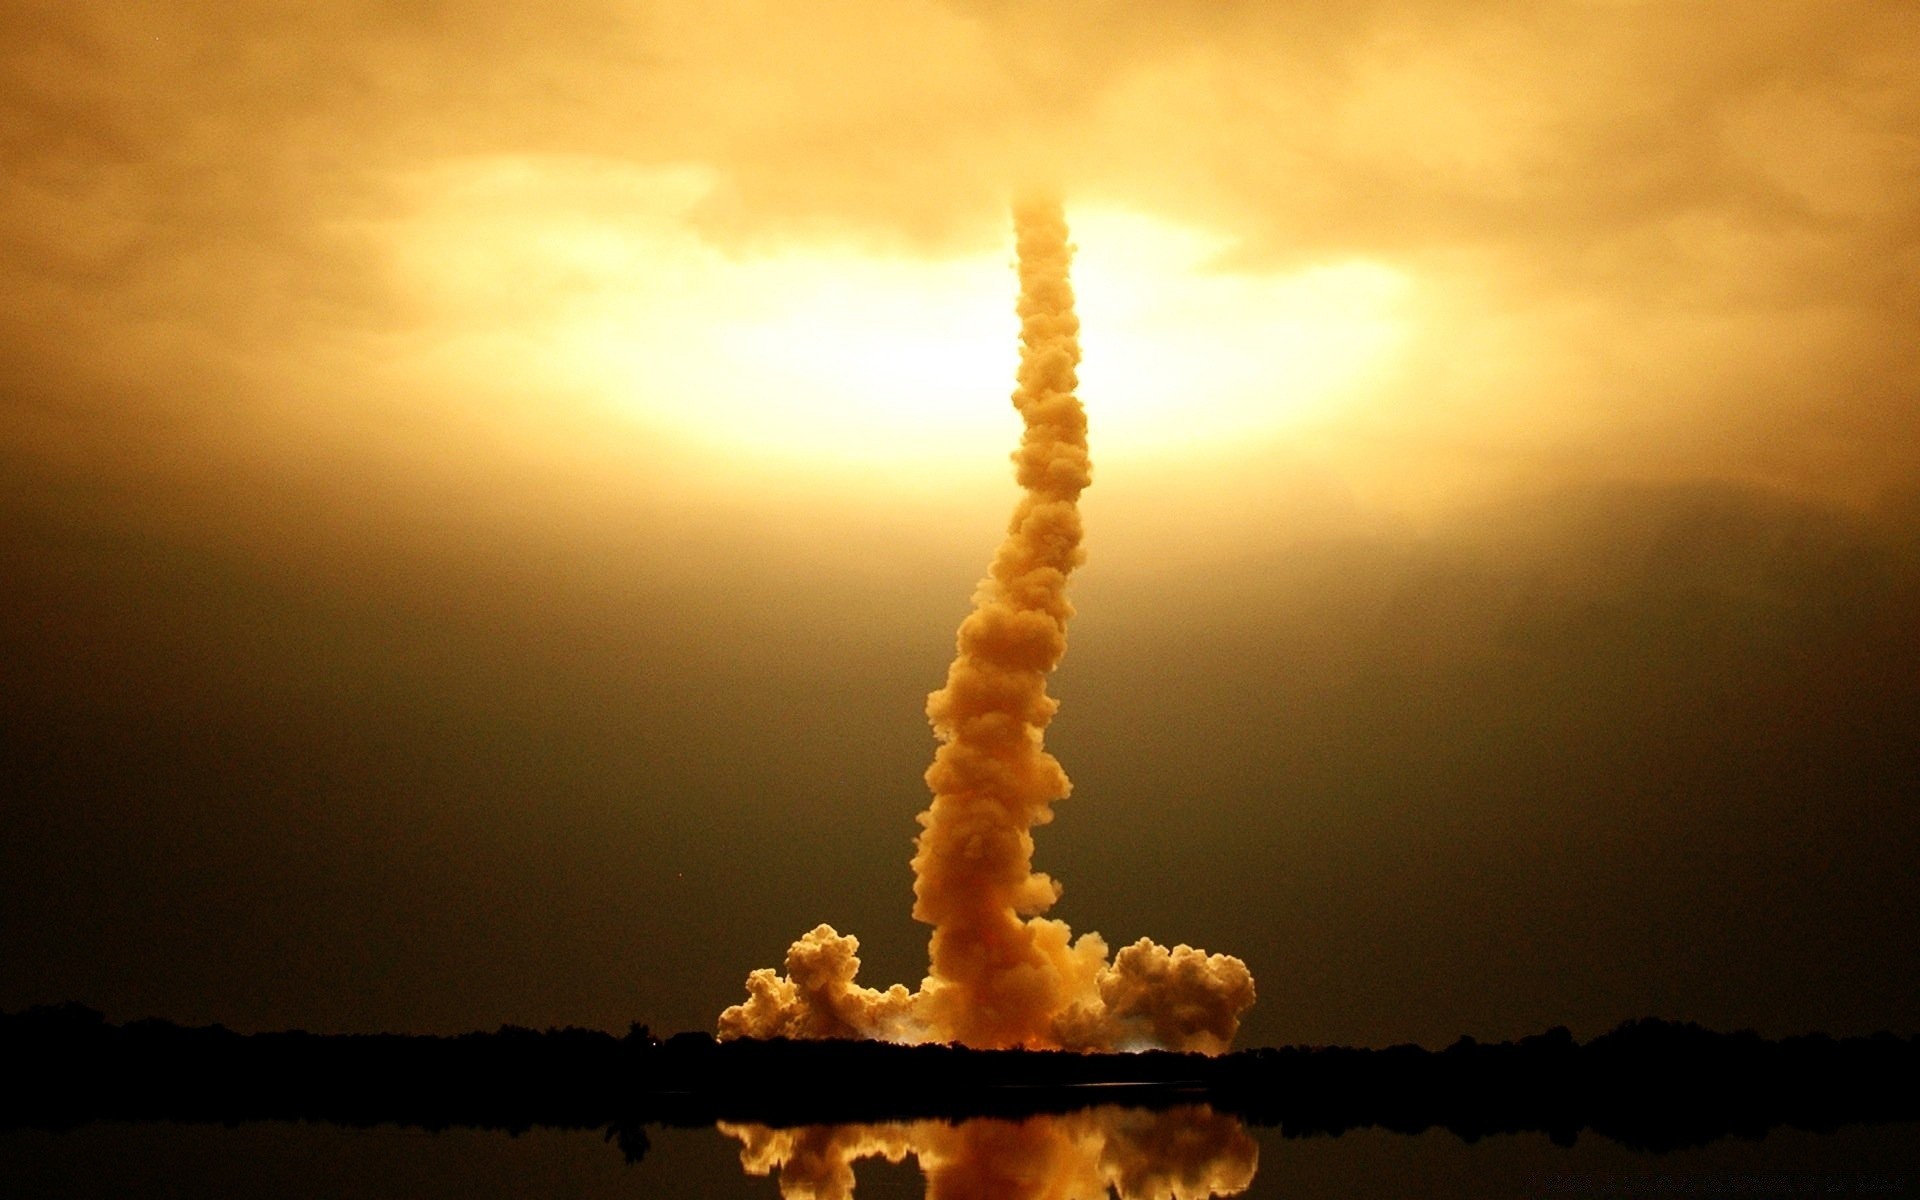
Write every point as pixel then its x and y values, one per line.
pixel 1185 1153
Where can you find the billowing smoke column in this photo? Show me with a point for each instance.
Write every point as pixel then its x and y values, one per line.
pixel 1002 974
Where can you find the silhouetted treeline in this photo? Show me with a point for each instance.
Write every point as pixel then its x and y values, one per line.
pixel 68 1064
pixel 1650 1084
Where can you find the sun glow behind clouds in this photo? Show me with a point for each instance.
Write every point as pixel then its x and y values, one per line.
pixel 576 280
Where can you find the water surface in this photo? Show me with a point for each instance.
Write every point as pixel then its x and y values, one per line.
pixel 1187 1152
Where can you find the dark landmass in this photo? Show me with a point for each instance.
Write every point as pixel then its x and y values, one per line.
pixel 1653 1085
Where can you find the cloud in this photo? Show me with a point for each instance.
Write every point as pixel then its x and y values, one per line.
pixel 1630 226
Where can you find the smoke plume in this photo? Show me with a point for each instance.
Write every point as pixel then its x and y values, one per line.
pixel 1001 973
pixel 1182 1153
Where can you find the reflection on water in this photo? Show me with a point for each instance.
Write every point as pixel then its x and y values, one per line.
pixel 286 1160
pixel 1185 1153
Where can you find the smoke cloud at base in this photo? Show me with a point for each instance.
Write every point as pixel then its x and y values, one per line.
pixel 1001 974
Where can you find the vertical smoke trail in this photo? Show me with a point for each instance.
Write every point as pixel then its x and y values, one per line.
pixel 1000 973
pixel 997 977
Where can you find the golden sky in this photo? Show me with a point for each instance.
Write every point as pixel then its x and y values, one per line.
pixel 485 435
pixel 1446 243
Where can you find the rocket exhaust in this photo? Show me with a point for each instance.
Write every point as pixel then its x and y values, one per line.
pixel 1000 972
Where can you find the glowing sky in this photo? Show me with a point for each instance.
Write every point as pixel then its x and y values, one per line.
pixel 841 357
pixel 485 490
